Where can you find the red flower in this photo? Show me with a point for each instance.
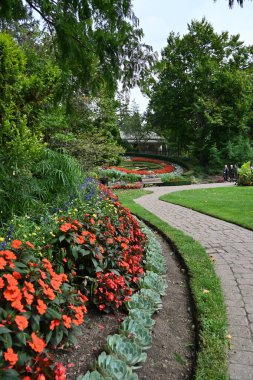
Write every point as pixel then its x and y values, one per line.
pixel 60 372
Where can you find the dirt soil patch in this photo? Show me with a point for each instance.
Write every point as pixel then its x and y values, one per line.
pixel 173 350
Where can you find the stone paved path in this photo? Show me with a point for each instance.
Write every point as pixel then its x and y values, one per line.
pixel 232 247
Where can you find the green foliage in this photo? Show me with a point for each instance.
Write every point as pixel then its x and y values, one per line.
pixel 153 296
pixel 17 142
pixel 94 375
pixel 114 368
pixel 50 178
pixel 126 350
pixel 245 175
pixel 92 148
pixel 142 316
pixel 203 96
pixel 136 332
pixel 97 42
pixel 153 281
pixel 116 175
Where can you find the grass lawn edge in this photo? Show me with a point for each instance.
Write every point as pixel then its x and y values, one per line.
pixel 205 288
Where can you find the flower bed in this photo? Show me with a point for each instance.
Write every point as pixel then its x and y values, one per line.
pixel 127 186
pixel 167 168
pixel 96 256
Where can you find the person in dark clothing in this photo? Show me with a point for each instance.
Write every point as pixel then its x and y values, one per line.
pixel 225 173
pixel 231 173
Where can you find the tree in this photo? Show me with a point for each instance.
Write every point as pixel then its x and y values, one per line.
pixel 98 41
pixel 203 96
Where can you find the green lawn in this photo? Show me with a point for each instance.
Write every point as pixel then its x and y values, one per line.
pixel 233 204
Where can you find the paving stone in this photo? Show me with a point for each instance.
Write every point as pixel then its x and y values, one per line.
pixel 240 372
pixel 239 331
pixel 232 247
pixel 241 357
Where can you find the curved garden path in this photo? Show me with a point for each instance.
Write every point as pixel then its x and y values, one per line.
pixel 232 248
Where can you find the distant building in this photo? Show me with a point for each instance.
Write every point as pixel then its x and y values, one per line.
pixel 150 143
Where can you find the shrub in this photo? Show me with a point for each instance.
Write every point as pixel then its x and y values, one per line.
pixel 245 175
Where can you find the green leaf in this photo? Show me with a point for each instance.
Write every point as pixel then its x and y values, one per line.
pixel 61 238
pixel 53 313
pixel 9 374
pixel 21 336
pixel 48 336
pixel 4 330
pixel 7 341
pixel 58 337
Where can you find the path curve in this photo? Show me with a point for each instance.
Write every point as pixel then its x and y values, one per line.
pixel 232 247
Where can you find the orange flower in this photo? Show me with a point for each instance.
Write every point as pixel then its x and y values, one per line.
pixel 41 307
pixel 43 274
pixel 18 306
pixel 66 321
pixel 21 322
pixel 28 297
pixel 65 227
pixel 1 283
pixel 109 240
pixel 12 293
pixel 37 343
pixel 10 356
pixel 29 286
pixel 55 283
pixel 54 323
pixel 30 245
pixel 83 298
pixel 2 263
pixel 17 275
pixel 79 239
pixel 11 280
pixel 49 293
pixel 16 244
pixel 9 255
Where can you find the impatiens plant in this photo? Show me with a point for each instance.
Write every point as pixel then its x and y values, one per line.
pixel 105 250
pixel 126 350
pixel 39 309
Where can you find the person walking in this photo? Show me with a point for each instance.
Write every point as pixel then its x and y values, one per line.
pixel 225 173
pixel 231 173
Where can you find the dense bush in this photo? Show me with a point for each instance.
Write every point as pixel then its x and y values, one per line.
pixel 245 175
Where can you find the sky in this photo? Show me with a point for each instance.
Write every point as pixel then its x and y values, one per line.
pixel 160 17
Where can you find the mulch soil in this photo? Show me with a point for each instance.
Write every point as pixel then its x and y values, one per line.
pixel 172 355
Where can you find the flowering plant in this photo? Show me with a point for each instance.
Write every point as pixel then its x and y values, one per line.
pixel 39 309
